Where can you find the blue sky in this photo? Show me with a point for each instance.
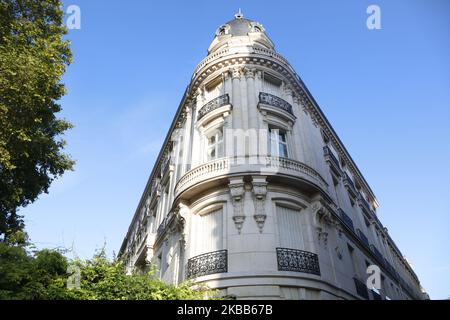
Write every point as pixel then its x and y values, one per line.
pixel 386 93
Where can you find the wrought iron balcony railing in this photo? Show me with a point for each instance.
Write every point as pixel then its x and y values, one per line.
pixel 161 228
pixel 391 269
pixel 165 166
pixel 207 263
pixel 331 158
pixel 361 288
pixel 347 220
pixel 377 253
pixel 213 105
pixel 363 237
pixel 298 261
pixel 376 295
pixel 365 206
pixel 275 101
pixel 350 185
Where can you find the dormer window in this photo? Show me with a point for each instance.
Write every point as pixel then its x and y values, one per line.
pixel 223 30
pixel 256 27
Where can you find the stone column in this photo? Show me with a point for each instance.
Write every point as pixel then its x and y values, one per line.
pixel 292 143
pixel 196 146
pixel 251 99
pixel 236 98
pixel 244 101
pixel 252 116
pixel 305 137
pixel 259 88
pixel 186 160
pixel 300 149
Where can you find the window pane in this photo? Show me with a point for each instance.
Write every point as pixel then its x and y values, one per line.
pixel 283 150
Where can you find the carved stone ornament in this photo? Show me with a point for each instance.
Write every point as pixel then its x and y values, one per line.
pixel 182 214
pixel 260 192
pixel 287 90
pixel 321 214
pixel 338 252
pixel 249 72
pixel 235 73
pixel 322 236
pixel 237 197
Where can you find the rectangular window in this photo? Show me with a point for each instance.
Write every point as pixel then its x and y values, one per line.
pixel 207 233
pixel 278 143
pixel 271 84
pixel 215 145
pixel 290 228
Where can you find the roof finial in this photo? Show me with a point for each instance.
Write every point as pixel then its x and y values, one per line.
pixel 239 15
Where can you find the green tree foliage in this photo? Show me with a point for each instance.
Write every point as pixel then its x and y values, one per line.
pixel 102 279
pixel 29 276
pixel 43 275
pixel 33 58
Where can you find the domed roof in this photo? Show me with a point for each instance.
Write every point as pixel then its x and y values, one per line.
pixel 240 27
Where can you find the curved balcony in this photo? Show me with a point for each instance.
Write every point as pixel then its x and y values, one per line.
pixel 216 172
pixel 207 263
pixel 297 261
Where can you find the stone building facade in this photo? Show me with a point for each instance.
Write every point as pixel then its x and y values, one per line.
pixel 254 194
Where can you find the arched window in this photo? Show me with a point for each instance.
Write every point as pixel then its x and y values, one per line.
pixel 222 30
